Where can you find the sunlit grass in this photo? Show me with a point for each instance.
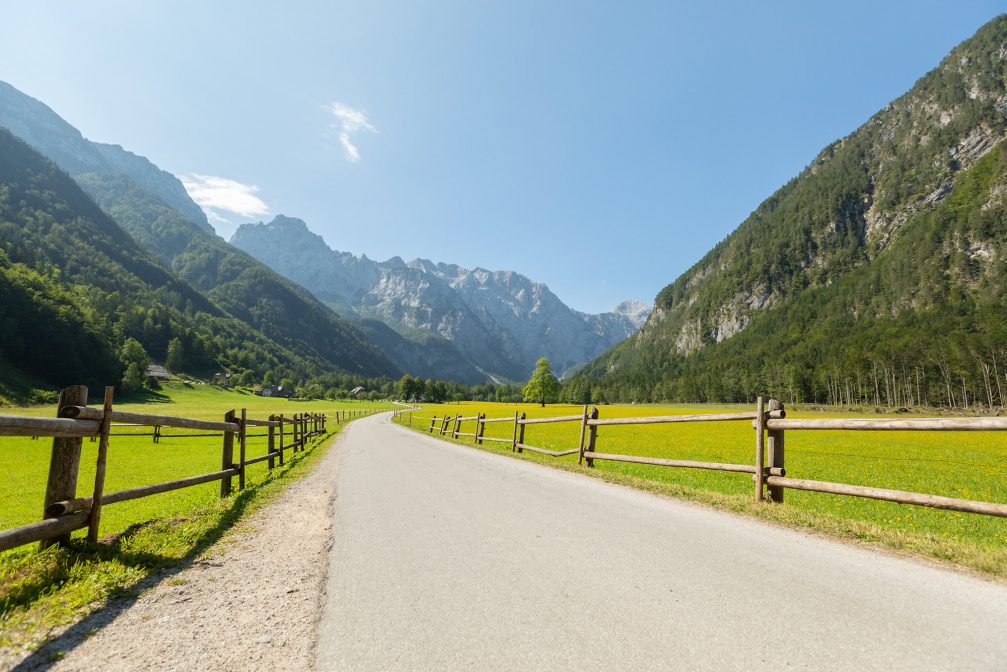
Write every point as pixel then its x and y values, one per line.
pixel 43 590
pixel 134 459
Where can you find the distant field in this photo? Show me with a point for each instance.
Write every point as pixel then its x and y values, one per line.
pixel 136 460
pixel 970 465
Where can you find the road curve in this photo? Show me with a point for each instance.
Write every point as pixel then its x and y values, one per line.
pixel 450 558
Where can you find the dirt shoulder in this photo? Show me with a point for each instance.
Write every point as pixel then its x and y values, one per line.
pixel 251 602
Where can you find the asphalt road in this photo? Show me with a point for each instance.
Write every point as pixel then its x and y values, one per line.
pixel 450 558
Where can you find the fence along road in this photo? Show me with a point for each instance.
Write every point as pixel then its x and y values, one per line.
pixel 450 558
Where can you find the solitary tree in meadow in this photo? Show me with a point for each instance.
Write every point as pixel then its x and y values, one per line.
pixel 543 386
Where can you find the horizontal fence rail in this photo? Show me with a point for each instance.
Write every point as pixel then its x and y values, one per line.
pixel 65 513
pixel 770 423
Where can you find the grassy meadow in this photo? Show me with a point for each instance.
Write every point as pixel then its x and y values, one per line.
pixel 969 465
pixel 40 590
pixel 134 459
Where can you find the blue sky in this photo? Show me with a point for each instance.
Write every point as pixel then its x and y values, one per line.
pixel 601 148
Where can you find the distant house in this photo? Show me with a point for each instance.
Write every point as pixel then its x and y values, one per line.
pixel 276 391
pixel 355 392
pixel 157 372
pixel 222 379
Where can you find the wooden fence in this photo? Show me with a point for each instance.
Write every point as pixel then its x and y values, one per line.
pixel 767 468
pixel 64 512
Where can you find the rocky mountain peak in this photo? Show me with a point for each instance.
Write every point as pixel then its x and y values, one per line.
pixel 500 321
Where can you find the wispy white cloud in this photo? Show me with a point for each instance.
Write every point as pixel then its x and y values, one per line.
pixel 219 196
pixel 348 122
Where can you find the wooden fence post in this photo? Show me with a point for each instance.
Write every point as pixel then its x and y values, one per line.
pixel 480 428
pixel 99 469
pixel 242 431
pixel 458 426
pixel 520 433
pixel 227 456
pixel 271 443
pixel 513 439
pixel 592 436
pixel 583 433
pixel 760 449
pixel 281 439
pixel 432 421
pixel 775 447
pixel 444 424
pixel 157 433
pixel 64 461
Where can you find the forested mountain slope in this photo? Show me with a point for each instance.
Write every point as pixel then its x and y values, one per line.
pixel 875 276
pixel 74 286
pixel 35 123
pixel 152 206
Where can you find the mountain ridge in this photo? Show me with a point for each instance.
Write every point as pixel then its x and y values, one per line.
pixel 842 218
pixel 501 321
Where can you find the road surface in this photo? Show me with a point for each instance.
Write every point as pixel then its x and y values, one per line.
pixel 450 558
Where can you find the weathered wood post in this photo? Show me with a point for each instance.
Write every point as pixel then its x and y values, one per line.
pixel 227 456
pixel 157 433
pixel 583 434
pixel 444 424
pixel 775 448
pixel 513 439
pixel 458 426
pixel 242 431
pixel 520 433
pixel 99 469
pixel 480 428
pixel 432 421
pixel 271 443
pixel 281 439
pixel 64 461
pixel 760 456
pixel 592 436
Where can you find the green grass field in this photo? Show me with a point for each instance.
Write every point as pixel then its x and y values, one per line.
pixel 969 465
pixel 41 590
pixel 136 460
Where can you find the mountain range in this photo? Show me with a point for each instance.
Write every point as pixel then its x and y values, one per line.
pixel 500 321
pixel 877 275
pixel 306 336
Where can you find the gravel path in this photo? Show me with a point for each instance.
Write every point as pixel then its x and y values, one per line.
pixel 205 618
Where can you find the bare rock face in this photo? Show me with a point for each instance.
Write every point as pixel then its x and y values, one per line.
pixel 500 321
pixel 849 205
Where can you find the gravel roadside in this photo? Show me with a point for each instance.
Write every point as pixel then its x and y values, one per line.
pixel 251 602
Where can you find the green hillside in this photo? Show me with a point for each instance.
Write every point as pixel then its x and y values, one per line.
pixel 874 277
pixel 244 287
pixel 74 286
